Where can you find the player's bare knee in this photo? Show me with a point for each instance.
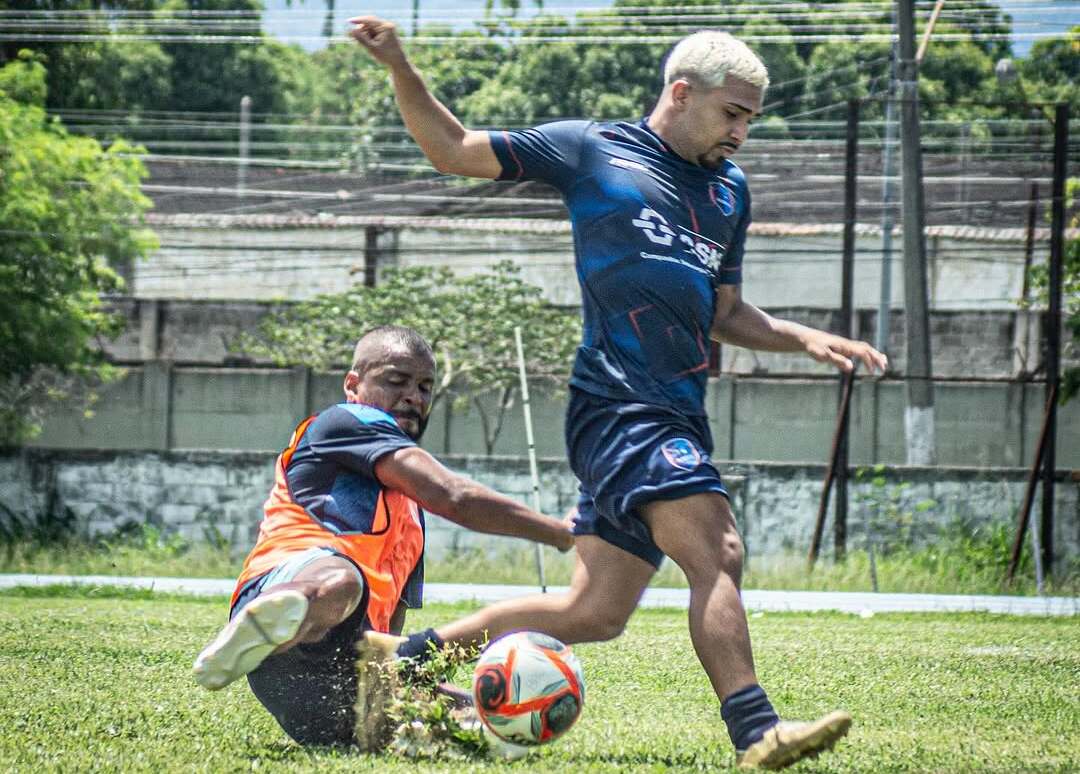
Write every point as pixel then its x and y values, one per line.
pixel 341 589
pixel 723 554
pixel 732 550
pixel 597 625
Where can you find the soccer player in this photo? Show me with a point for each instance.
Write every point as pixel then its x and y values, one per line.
pixel 340 548
pixel 659 215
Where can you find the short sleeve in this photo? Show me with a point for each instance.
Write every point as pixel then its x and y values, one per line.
pixel 355 436
pixel 731 263
pixel 550 153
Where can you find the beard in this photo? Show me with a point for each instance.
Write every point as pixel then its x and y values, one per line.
pixel 421 424
pixel 715 158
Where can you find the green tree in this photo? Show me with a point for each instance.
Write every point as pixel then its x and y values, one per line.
pixel 123 75
pixel 213 77
pixel 468 320
pixel 545 81
pixel 68 210
pixel 1051 72
pixel 838 72
pixel 349 87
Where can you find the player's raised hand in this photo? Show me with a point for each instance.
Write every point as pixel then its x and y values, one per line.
pixel 841 352
pixel 379 37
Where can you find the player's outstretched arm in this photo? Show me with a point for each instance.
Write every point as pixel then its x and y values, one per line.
pixel 462 500
pixel 741 323
pixel 449 146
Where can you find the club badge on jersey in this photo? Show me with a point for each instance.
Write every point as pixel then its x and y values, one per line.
pixel 722 197
pixel 681 453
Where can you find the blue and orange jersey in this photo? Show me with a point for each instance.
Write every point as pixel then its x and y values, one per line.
pixel 326 494
pixel 654 235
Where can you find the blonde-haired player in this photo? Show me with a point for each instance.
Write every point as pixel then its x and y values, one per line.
pixel 660 214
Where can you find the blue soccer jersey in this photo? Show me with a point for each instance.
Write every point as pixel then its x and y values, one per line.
pixel 654 236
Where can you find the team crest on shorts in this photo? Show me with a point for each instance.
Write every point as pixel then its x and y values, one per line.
pixel 722 197
pixel 681 453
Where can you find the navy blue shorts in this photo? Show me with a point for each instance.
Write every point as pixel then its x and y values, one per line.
pixel 628 454
pixel 311 688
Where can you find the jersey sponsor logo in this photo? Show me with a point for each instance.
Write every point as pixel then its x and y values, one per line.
pixel 627 164
pixel 681 453
pixel 705 250
pixel 656 228
pixel 722 197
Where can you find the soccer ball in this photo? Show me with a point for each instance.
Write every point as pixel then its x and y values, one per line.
pixel 528 688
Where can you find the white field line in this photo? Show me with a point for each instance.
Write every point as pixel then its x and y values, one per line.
pixel 861 603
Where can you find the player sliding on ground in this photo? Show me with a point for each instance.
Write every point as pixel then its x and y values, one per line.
pixel 660 215
pixel 340 548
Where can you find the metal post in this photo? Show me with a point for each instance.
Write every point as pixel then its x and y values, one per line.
pixel 919 415
pixel 328 22
pixel 371 255
pixel 823 505
pixel 533 469
pixel 1029 491
pixel 245 145
pixel 1053 328
pixel 851 177
pixel 881 340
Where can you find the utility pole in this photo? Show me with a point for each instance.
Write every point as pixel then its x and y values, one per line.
pixel 919 414
pixel 847 305
pixel 1053 330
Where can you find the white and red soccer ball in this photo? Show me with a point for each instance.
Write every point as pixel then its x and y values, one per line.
pixel 528 688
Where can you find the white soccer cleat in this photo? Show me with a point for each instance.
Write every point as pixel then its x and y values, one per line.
pixel 265 623
pixel 788 742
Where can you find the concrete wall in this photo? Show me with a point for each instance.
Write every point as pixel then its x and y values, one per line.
pixel 964 343
pixel 201 494
pixel 781 270
pixel 162 408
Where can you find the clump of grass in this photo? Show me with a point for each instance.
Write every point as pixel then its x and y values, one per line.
pixel 425 722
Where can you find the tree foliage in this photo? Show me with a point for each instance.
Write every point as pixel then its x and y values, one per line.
pixel 469 321
pixel 68 211
pixel 490 83
pixel 1052 71
pixel 151 75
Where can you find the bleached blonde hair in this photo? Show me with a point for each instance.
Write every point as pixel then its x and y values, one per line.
pixel 708 56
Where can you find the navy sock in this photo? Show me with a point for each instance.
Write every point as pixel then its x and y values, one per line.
pixel 748 715
pixel 420 646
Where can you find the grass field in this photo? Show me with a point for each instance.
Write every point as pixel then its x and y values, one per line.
pixel 98 681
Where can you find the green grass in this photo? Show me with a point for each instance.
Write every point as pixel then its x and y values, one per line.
pixel 102 684
pixel 953 567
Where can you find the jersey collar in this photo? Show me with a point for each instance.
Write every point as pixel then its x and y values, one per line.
pixel 644 125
